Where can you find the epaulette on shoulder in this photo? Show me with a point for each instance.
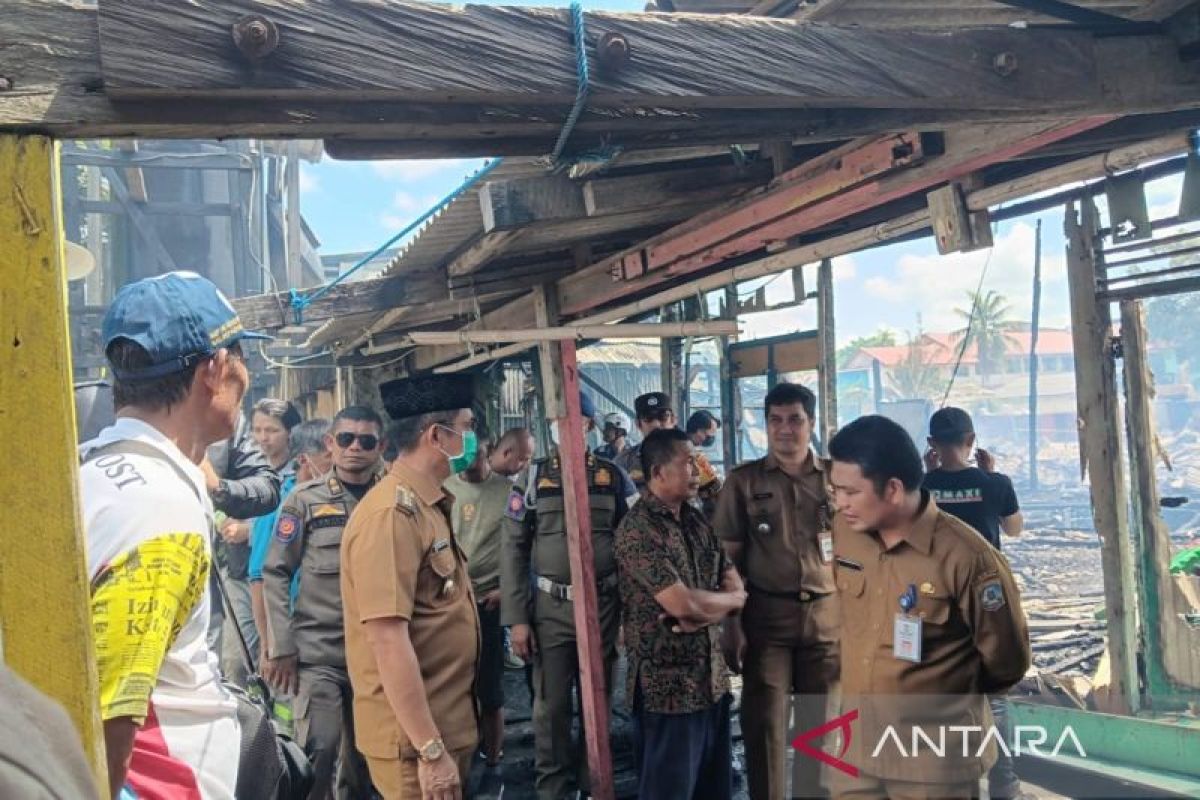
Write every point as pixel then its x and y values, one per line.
pixel 406 500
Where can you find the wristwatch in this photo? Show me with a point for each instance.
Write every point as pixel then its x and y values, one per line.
pixel 220 494
pixel 431 751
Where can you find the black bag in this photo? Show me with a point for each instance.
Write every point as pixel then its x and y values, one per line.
pixel 270 765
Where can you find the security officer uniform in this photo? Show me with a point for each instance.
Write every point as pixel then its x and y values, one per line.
pixel 791 615
pixel 535 585
pixel 930 627
pixel 652 405
pixel 307 538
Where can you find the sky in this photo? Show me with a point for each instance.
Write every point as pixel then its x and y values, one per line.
pixel 356 206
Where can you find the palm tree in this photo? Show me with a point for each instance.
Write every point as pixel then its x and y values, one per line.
pixel 988 328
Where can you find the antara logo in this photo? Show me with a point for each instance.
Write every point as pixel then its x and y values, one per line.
pixel 842 724
pixel 934 741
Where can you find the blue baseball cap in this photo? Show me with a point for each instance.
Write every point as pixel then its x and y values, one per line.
pixel 586 407
pixel 177 318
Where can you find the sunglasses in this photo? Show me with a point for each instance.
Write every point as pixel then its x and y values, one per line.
pixel 368 441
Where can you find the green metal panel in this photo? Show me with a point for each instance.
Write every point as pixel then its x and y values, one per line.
pixel 1117 745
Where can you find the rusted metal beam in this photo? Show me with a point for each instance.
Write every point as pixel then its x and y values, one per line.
pixel 799 207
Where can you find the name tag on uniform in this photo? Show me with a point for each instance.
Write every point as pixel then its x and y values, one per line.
pixel 906 638
pixel 826 539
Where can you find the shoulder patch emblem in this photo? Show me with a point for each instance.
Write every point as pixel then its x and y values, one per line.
pixel 287 527
pixel 334 486
pixel 603 477
pixel 637 475
pixel 405 501
pixel 991 596
pixel 516 506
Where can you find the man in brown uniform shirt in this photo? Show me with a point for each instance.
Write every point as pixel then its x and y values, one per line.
pixel 932 623
pixel 773 515
pixel 412 634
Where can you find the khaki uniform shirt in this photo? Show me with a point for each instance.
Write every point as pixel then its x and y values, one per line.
pixel 478 511
pixel 401 561
pixel 307 537
pixel 779 520
pixel 974 641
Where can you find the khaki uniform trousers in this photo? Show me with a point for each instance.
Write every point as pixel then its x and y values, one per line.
pixel 791 646
pixel 396 778
pixel 325 729
pixel 560 764
pixel 869 787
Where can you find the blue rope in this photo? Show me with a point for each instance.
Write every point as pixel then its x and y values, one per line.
pixel 300 301
pixel 582 83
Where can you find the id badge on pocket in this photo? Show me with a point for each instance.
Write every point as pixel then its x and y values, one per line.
pixel 906 638
pixel 826 540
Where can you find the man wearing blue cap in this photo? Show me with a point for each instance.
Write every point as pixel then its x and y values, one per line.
pixel 170 729
pixel 536 599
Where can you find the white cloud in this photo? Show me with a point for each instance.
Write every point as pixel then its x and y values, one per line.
pixel 405 208
pixel 309 183
pixel 935 285
pixel 421 169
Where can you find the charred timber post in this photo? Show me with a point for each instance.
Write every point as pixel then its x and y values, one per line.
pixel 256 36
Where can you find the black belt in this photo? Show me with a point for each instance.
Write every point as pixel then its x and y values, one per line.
pixel 802 596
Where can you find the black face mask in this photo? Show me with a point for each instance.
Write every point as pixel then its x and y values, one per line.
pixel 709 441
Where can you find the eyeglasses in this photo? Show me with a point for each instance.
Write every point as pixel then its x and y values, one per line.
pixel 368 441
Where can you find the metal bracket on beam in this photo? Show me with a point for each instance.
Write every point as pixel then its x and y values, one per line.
pixel 1128 213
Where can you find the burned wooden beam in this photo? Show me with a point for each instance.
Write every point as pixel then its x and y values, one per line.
pixel 267 311
pixel 518 53
pixel 513 91
pixel 519 202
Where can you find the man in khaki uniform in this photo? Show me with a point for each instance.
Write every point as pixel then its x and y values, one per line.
pixel 536 599
pixel 305 640
pixel 412 634
pixel 932 623
pixel 773 518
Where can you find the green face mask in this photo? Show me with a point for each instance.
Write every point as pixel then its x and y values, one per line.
pixel 470 449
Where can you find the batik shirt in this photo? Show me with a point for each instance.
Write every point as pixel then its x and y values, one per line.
pixel 676 673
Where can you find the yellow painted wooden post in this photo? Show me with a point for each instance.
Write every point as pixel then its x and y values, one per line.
pixel 45 628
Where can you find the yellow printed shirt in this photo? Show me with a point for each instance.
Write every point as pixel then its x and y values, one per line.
pixel 149 555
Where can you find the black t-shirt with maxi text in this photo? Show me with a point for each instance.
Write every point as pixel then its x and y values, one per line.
pixel 978 498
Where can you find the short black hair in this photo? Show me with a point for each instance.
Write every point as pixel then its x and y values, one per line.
pixel 787 394
pixel 881 449
pixel 659 447
pixel 701 421
pixel 950 426
pixel 358 414
pixel 153 394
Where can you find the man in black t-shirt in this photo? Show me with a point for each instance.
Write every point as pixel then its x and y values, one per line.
pixel 985 500
pixel 979 496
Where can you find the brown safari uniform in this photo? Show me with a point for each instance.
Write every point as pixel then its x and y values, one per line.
pixel 401 561
pixel 974 641
pixel 791 616
pixel 306 540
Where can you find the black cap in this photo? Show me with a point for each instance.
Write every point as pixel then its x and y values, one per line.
pixel 651 404
pixel 950 424
pixel 408 397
